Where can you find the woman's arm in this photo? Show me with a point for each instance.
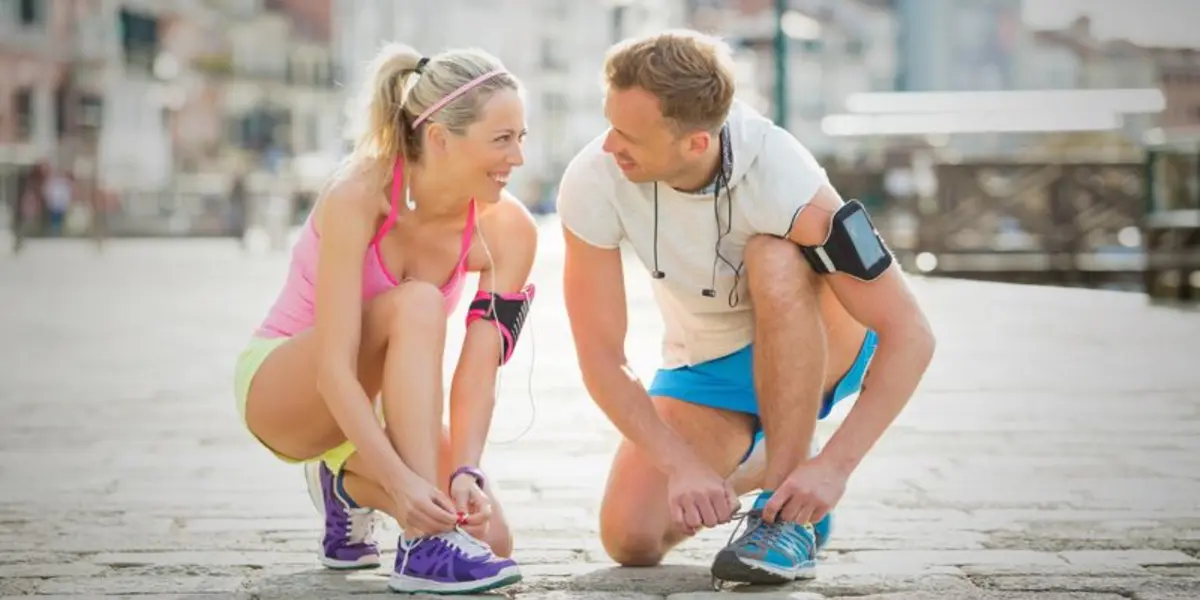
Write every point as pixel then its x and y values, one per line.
pixel 346 222
pixel 511 238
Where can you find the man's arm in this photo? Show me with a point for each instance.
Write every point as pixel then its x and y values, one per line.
pixel 594 293
pixel 906 341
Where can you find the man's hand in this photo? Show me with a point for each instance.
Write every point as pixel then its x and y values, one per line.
pixel 808 494
pixel 698 496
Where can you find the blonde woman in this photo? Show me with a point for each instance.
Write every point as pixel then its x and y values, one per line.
pixel 380 265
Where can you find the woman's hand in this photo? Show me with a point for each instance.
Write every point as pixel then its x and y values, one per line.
pixel 422 508
pixel 473 505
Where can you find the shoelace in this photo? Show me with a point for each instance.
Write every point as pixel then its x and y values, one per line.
pixel 466 542
pixel 758 532
pixel 362 524
pixel 456 538
pixel 741 516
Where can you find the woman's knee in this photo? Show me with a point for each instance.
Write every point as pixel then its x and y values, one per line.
pixel 413 305
pixel 501 544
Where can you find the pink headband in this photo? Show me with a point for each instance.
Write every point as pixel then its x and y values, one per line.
pixel 466 87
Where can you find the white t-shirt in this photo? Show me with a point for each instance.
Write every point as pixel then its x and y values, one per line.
pixel 773 176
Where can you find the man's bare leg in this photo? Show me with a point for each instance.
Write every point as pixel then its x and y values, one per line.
pixel 635 523
pixel 792 310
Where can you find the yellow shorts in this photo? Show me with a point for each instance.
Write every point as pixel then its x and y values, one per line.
pixel 251 358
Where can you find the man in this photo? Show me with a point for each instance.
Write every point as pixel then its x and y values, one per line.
pixel 718 203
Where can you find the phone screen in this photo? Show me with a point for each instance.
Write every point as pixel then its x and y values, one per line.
pixel 869 249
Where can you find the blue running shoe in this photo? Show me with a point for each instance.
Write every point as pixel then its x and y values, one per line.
pixel 823 529
pixel 768 553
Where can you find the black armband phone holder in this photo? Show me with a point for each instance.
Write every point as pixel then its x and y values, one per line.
pixel 853 246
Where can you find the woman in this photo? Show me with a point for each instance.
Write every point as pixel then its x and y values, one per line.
pixel 378 268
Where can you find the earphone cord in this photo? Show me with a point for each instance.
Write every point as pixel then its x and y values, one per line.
pixel 499 332
pixel 721 179
pixel 734 297
pixel 657 273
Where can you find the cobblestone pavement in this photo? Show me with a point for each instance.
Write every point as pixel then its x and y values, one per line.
pixel 1052 452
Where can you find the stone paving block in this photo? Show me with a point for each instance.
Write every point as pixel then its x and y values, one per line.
pixel 661 580
pixel 572 595
pixel 1188 595
pixel 212 558
pixel 987 595
pixel 932 540
pixel 1059 570
pixel 757 595
pixel 558 571
pixel 1115 585
pixel 1176 571
pixel 45 570
pixel 955 557
pixel 282 582
pixel 544 556
pixel 861 580
pixel 8 557
pixel 1129 557
pixel 121 541
pixel 120 585
pixel 236 525
pixel 18 586
pixel 222 596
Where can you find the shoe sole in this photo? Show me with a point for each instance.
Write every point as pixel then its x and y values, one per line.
pixel 411 585
pixel 366 562
pixel 730 567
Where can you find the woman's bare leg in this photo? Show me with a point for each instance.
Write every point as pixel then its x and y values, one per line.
pixel 412 378
pixel 285 410
pixel 498 536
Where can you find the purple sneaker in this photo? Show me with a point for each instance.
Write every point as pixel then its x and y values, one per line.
pixel 450 563
pixel 347 541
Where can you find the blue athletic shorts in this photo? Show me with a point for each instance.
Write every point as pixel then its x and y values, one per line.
pixel 728 382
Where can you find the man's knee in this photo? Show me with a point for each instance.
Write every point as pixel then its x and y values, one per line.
pixel 778 273
pixel 630 547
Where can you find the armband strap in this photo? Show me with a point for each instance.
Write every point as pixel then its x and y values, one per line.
pixel 506 310
pixel 852 247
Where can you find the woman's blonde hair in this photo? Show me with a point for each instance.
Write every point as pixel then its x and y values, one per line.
pixel 401 86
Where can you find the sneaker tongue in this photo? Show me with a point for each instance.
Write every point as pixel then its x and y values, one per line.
pixel 761 501
pixel 465 542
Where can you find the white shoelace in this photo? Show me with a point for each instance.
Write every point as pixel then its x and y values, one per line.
pixel 456 538
pixel 362 524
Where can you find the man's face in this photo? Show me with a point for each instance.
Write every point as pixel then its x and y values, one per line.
pixel 644 144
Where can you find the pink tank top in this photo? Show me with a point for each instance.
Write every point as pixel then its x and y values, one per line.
pixel 295 308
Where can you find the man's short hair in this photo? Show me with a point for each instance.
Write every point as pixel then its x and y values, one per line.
pixel 690 73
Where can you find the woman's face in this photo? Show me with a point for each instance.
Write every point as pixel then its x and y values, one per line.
pixel 483 158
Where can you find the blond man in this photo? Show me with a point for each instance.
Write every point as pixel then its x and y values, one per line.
pixel 778 300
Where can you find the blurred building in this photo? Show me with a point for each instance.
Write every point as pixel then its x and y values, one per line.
pixel 49 94
pixel 952 45
pixel 1179 74
pixel 1075 58
pixel 168 94
pixel 555 46
pixel 274 66
pixel 834 49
